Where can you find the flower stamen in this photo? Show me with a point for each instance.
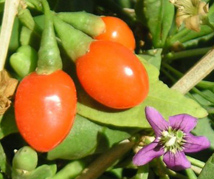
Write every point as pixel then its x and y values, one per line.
pixel 172 140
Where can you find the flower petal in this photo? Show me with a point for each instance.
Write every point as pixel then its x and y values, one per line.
pixel 183 122
pixel 147 153
pixel 177 161
pixel 156 120
pixel 195 143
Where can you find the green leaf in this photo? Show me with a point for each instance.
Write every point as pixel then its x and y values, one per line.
pixel 186 37
pixel 86 138
pixel 8 124
pixel 1 176
pixel 169 102
pixel 133 117
pixel 2 5
pixel 81 141
pixel 142 172
pixel 153 57
pixel 42 172
pixel 158 16
pixel 71 170
pixel 3 160
pixel 208 172
pixel 14 40
pixel 210 15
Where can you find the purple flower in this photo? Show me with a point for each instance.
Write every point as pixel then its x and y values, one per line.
pixel 172 140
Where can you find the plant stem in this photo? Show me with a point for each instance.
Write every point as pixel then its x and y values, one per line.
pixel 107 159
pixel 190 174
pixel 173 79
pixel 10 12
pixel 196 73
pixel 177 36
pixel 165 171
pixel 186 53
pixel 196 162
pixel 196 169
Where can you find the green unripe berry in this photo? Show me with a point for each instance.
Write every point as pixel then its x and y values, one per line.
pixel 88 23
pixel 25 159
pixel 24 61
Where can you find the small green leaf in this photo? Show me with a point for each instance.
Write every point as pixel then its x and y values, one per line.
pixel 142 173
pixel 86 138
pixel 1 176
pixel 27 37
pixel 8 124
pixel 81 141
pixel 133 117
pixel 158 16
pixel 208 172
pixel 71 170
pixel 204 98
pixel 14 40
pixel 2 5
pixel 186 38
pixel 3 160
pixel 170 102
pixel 153 56
pixel 42 172
pixel 210 15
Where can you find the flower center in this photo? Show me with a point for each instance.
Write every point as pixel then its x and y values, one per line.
pixel 172 140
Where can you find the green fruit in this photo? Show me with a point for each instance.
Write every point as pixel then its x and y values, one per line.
pixel 24 61
pixel 25 159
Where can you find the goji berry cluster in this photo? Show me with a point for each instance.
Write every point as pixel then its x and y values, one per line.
pixel 102 49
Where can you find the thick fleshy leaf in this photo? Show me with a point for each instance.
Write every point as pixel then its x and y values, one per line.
pixel 8 124
pixel 195 143
pixel 157 15
pixel 207 171
pixel 153 56
pixel 142 172
pixel 3 159
pixel 156 120
pixel 86 138
pixel 176 161
pixel 43 171
pixel 183 122
pixel 147 153
pixel 70 170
